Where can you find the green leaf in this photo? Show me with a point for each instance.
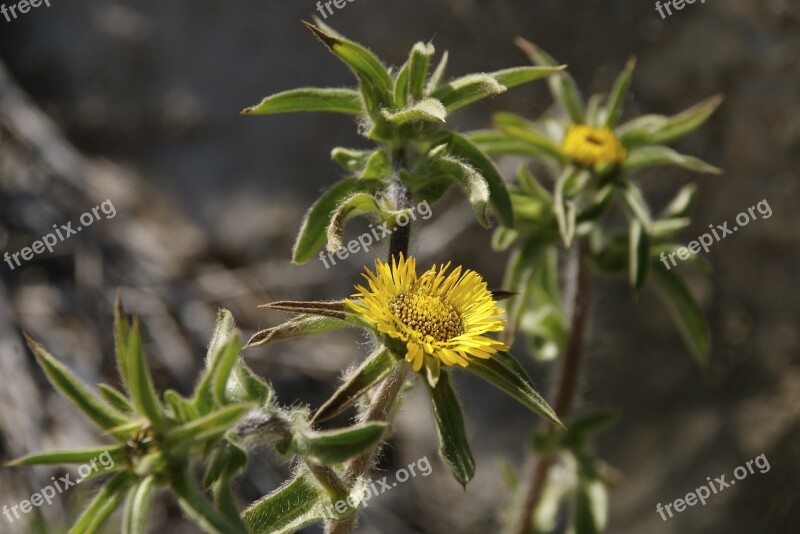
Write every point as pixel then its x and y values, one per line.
pixel 298 503
pixel 400 92
pixel 366 66
pixel 223 329
pixel 562 85
pixel 229 357
pixel 470 181
pixel 315 226
pixel 639 258
pixel 658 129
pixel 637 207
pixel 104 504
pixel 332 446
pixel 116 399
pixel 529 133
pixel 436 78
pixel 195 504
pixel 591 507
pixel 653 156
pixel 183 409
pixel 227 461
pixel 419 61
pixel 464 149
pixel 563 208
pixel 453 443
pixel 378 165
pixel 685 312
pixel 374 369
pixel 682 205
pixel 295 327
pixel 350 159
pixel 519 75
pixel 143 392
pixel 467 89
pixel 598 205
pixel 246 386
pixel 505 373
pixel 74 390
pixel 121 333
pixel 619 93
pixel 427 110
pixel 207 428
pixel 309 99
pixel 137 509
pixel 78 456
pixel 496 143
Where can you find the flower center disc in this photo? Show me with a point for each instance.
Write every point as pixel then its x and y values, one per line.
pixel 430 316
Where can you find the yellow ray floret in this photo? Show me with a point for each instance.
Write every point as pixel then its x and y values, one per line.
pixel 589 147
pixel 439 315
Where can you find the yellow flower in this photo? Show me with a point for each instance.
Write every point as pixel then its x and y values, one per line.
pixel 439 318
pixel 592 147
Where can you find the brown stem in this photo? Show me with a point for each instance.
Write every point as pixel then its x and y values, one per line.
pixel 579 297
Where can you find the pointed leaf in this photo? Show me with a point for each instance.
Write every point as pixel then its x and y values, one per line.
pixel 121 333
pixel 529 133
pixel 116 399
pixel 519 75
pixel 682 205
pixel 453 443
pixel 104 504
pixel 333 446
pixel 245 386
pixel 223 329
pixel 463 148
pixel 562 86
pixel 619 93
pixel 315 226
pixel 639 258
pixel 658 129
pixel 143 392
pixel 74 390
pixel 295 327
pixel 506 374
pixel 309 99
pixel 78 456
pixel 496 143
pixel 195 504
pixel 137 510
pixel 685 312
pixel 209 427
pixel 296 504
pixel 438 73
pixel 374 369
pixel 469 180
pixel 427 110
pixel 653 156
pixel 465 90
pixel 366 66
pixel 418 62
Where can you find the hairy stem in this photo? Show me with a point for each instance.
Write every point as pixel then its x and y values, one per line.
pixel 579 298
pixel 387 393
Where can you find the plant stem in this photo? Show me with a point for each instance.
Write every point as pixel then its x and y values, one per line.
pixel 579 298
pixel 381 408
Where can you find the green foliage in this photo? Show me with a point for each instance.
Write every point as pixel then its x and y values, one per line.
pixel 404 113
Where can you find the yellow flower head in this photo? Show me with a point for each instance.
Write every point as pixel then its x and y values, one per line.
pixel 591 147
pixel 439 317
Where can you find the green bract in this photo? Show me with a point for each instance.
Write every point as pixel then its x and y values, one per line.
pixel 404 111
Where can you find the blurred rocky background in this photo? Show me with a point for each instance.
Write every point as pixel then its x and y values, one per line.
pixel 138 102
